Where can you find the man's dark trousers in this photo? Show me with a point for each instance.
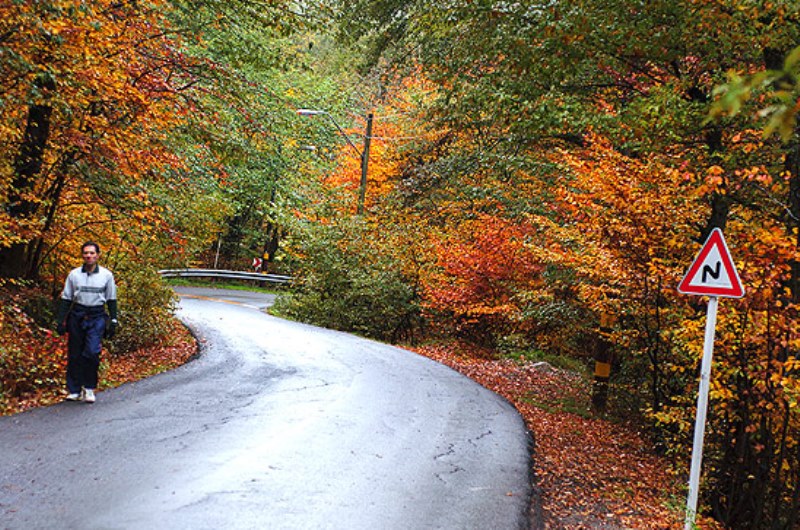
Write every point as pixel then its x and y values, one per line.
pixel 85 326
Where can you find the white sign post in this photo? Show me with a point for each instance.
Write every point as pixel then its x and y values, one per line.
pixel 712 274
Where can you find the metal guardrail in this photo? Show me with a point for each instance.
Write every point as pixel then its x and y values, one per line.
pixel 225 274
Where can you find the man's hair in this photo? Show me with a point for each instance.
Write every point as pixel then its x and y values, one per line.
pixel 91 244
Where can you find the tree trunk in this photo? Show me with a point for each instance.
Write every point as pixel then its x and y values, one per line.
pixel 15 260
pixel 720 203
pixel 792 166
pixel 53 197
pixel 273 233
pixel 272 241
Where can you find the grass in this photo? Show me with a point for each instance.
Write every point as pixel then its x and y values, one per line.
pixel 563 404
pixel 243 285
pixel 557 361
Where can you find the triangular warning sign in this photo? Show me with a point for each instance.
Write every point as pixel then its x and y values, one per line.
pixel 713 273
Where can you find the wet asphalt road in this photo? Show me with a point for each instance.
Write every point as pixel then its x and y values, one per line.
pixel 277 425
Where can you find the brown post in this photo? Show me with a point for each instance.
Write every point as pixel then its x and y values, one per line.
pixel 603 356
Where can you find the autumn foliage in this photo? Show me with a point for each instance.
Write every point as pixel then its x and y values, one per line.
pixel 574 169
pixel 96 143
pixel 89 98
pixel 540 177
pixel 484 271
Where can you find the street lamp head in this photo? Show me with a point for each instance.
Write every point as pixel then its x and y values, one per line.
pixel 310 112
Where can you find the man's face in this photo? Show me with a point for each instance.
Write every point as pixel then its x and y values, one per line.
pixel 90 256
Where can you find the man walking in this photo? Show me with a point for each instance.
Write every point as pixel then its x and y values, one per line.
pixel 81 313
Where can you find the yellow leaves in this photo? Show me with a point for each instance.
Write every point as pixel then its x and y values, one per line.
pixel 666 418
pixel 487 310
pixel 720 391
pixel 626 211
pixel 139 215
pixel 792 365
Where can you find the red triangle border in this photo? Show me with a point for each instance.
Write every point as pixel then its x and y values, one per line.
pixel 715 238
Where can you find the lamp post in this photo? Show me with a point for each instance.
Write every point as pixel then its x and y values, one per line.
pixel 363 154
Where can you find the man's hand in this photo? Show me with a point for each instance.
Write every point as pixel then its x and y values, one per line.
pixel 111 329
pixel 61 328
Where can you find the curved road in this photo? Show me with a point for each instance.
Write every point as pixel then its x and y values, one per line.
pixel 276 425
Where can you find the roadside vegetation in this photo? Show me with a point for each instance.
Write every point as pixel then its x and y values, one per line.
pixel 538 179
pixel 257 287
pixel 33 358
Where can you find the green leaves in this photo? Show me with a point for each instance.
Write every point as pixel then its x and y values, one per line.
pixel 778 93
pixel 351 281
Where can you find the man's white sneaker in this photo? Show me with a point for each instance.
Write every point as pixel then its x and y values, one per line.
pixel 88 395
pixel 73 397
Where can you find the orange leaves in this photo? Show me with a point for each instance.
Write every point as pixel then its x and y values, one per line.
pixel 482 269
pixel 632 195
pixel 135 365
pixel 31 358
pixel 715 178
pixel 117 71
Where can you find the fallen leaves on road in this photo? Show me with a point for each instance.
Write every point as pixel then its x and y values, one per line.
pixel 591 473
pixel 119 369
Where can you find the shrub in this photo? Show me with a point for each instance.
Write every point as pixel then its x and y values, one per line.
pixel 32 359
pixel 146 306
pixel 353 283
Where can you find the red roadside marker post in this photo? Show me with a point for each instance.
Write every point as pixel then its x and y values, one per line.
pixel 712 274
